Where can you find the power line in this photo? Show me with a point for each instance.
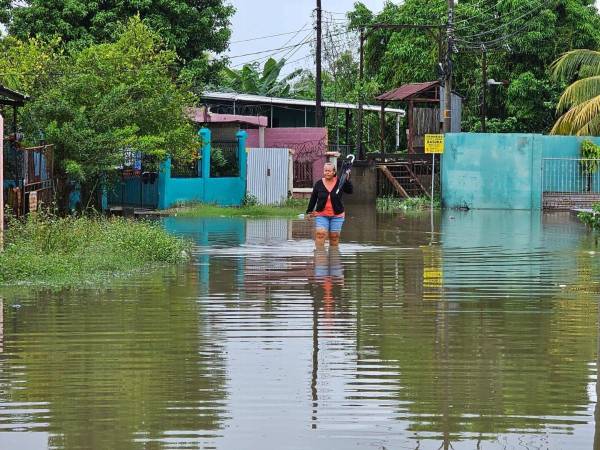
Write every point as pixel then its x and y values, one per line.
pixel 281 48
pixel 481 13
pixel 270 36
pixel 495 17
pixel 506 24
pixel 264 58
pixel 494 43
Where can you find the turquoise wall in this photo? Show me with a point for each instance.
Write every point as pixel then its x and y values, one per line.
pixel 500 171
pixel 133 192
pixel 225 191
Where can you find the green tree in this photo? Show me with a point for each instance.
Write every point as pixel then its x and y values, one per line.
pixel 252 80
pixel 110 97
pixel 580 102
pixel 26 66
pixel 522 38
pixel 191 27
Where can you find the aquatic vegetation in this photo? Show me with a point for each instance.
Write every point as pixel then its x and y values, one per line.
pixel 45 250
pixel 592 218
pixel 394 204
pixel 250 208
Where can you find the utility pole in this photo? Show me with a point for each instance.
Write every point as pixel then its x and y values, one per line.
pixel 483 86
pixel 359 134
pixel 448 78
pixel 318 118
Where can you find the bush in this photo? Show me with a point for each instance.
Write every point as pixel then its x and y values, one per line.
pixel 592 219
pixel 394 204
pixel 48 250
pixel 249 200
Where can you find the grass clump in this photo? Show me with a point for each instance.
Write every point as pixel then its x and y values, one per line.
pixel 51 251
pixel 289 208
pixel 592 219
pixel 395 204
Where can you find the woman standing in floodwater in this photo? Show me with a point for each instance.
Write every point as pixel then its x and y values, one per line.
pixel 326 207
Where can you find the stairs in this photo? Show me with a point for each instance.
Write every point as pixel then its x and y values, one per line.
pixel 404 180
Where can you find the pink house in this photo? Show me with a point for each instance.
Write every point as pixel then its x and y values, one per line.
pixel 309 145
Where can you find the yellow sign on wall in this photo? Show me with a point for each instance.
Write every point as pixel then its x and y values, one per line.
pixel 434 143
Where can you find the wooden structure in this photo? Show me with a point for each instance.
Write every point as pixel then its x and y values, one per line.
pixel 411 175
pixel 29 171
pixel 13 99
pixel 424 103
pixel 420 120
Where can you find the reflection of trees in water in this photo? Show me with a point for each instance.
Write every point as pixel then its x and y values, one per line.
pixel 472 367
pixel 125 364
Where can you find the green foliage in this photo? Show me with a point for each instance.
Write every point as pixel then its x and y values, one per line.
pixel 47 250
pixel 580 102
pixel 109 97
pixel 249 200
pixel 190 27
pixel 592 219
pixel 395 204
pixel 590 152
pixel 224 162
pixel 290 208
pixel 27 66
pixel 252 80
pixel 396 57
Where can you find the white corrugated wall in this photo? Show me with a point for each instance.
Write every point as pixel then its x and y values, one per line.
pixel 268 174
pixel 265 231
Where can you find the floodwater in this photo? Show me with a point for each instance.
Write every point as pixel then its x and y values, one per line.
pixel 476 330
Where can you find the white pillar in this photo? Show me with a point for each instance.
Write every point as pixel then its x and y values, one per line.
pixel 261 137
pixel 397 131
pixel 1 183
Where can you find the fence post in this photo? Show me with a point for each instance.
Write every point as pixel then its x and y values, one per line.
pixel 242 136
pixel 164 174
pixel 205 139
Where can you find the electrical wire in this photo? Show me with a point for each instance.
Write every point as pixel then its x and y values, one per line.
pixel 280 48
pixel 505 24
pixel 481 13
pixel 270 36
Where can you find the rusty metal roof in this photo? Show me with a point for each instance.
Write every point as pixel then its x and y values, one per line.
pixel 10 97
pixel 405 91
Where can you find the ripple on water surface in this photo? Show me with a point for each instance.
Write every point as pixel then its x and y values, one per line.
pixel 478 333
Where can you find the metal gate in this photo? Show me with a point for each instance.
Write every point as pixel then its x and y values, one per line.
pixel 268 174
pixel 570 183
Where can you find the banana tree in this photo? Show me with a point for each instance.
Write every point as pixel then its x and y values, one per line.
pixel 251 80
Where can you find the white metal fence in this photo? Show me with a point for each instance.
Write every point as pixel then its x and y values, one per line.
pixel 269 174
pixel 571 175
pixel 570 183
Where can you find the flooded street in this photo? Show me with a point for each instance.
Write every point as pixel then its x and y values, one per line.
pixel 478 329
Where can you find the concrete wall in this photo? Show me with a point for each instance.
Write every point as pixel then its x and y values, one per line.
pixel 364 180
pixel 500 171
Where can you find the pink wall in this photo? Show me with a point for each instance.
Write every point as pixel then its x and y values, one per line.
pixel 309 144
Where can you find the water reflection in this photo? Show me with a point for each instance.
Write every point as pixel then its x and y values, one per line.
pixel 480 333
pixel 122 369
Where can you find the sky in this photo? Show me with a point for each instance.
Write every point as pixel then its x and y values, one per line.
pixel 259 18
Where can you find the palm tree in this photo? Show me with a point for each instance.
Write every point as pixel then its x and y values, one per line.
pixel 251 80
pixel 580 102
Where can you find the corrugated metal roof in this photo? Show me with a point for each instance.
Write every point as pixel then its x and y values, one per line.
pixel 10 97
pixel 233 96
pixel 406 90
